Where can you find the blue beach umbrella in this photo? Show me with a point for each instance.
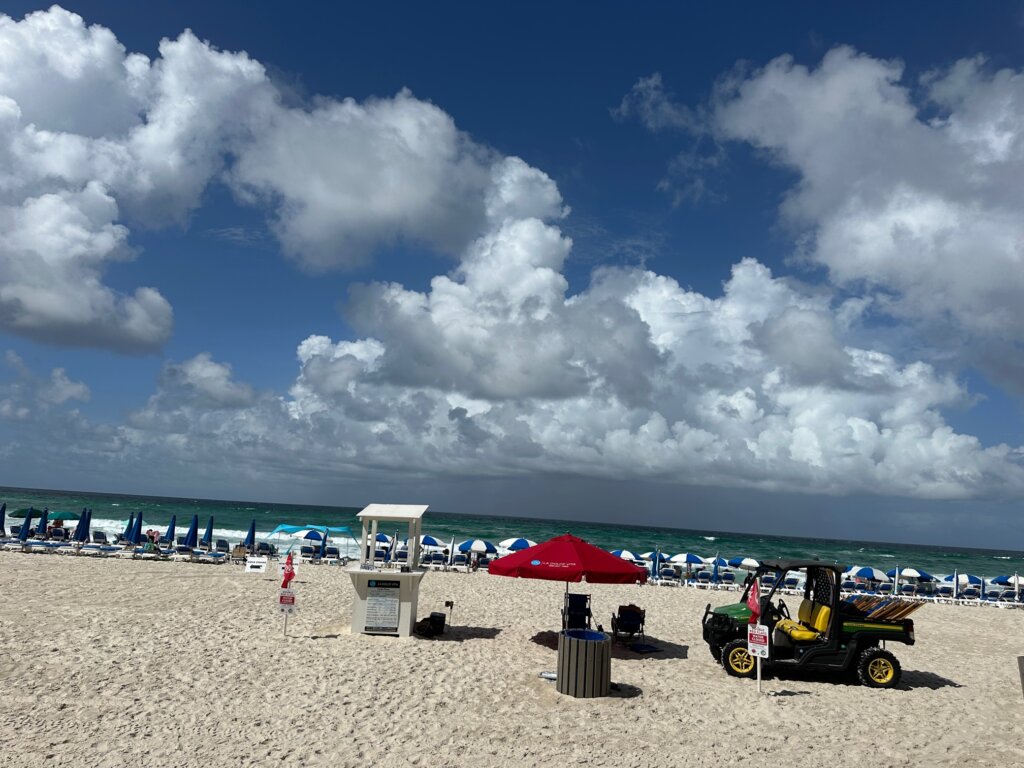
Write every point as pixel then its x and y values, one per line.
pixel 135 534
pixel 869 573
pixel 250 537
pixel 191 535
pixel 26 527
pixel 963 578
pixel 477 545
pixel 83 522
pixel 657 556
pixel 910 573
pixel 426 540
pixel 41 528
pixel 3 517
pixel 747 563
pixel 687 558
pixel 169 536
pixel 514 545
pixel 207 539
pixel 625 554
pixel 716 562
pixel 128 528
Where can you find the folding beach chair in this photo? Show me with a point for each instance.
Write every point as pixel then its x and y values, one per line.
pixel 629 621
pixel 576 612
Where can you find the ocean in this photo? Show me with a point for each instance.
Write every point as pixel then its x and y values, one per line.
pixel 232 520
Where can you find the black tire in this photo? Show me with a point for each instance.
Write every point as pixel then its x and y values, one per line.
pixel 716 652
pixel 737 660
pixel 878 669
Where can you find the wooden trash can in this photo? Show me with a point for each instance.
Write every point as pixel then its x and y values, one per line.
pixel 584 663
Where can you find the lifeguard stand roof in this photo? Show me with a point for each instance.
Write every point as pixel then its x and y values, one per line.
pixel 393 511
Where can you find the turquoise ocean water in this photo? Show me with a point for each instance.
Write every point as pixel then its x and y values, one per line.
pixel 232 520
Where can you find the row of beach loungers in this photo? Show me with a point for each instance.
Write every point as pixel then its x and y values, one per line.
pixel 57 542
pixel 944 593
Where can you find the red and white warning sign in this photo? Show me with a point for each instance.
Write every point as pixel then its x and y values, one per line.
pixel 757 640
pixel 286 601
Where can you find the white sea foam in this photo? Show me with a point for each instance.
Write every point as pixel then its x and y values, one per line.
pixel 110 526
pixel 710 538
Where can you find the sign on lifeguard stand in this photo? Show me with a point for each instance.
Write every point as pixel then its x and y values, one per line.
pixel 386 597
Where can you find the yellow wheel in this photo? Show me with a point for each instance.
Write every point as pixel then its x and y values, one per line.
pixel 737 659
pixel 878 669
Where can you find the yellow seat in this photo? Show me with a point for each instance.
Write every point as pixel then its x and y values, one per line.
pixel 813 623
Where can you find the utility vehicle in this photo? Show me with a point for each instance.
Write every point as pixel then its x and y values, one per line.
pixel 828 633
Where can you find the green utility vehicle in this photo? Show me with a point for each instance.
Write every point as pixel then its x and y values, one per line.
pixel 828 633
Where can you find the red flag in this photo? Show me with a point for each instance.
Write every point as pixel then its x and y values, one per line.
pixel 753 602
pixel 289 572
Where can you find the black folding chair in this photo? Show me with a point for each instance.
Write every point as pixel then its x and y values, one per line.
pixel 576 612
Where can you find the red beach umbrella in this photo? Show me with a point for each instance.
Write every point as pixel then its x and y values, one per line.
pixel 568 558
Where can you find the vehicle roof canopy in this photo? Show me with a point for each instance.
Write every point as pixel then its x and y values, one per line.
pixel 795 565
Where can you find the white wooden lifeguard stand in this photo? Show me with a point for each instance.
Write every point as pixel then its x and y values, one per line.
pixel 385 602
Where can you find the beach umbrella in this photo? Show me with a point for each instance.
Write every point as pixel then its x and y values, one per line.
pixel 687 558
pixel 43 520
pixel 478 545
pixel 625 554
pixel 716 561
pixel 747 563
pixel 192 534
pixel 869 573
pixel 135 534
pixel 24 512
pixel 963 578
pixel 81 533
pixel 910 573
pixel 655 556
pixel 514 545
pixel 3 517
pixel 26 527
pixel 250 538
pixel 128 528
pixel 568 558
pixel 1009 581
pixel 63 516
pixel 169 536
pixel 207 540
pixel 426 540
pixel 323 546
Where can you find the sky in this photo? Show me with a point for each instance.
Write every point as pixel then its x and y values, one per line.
pixel 754 269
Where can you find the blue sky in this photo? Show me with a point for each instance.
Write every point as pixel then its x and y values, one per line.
pixel 504 255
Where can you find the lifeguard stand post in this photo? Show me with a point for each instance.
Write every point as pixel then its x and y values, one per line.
pixel 385 601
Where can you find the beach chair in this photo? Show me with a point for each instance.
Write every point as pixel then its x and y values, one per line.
pixel 402 557
pixel 239 553
pixel 306 553
pixel 99 537
pixel 703 580
pixel 970 596
pixel 483 562
pixel 908 590
pixel 576 612
pixel 728 580
pixel 460 563
pixel 438 562
pixel 847 586
pixel 884 589
pixel 667 577
pixel 181 552
pixel 1008 596
pixel 332 556
pixel 222 546
pixel 944 593
pixel 767 580
pixel 629 621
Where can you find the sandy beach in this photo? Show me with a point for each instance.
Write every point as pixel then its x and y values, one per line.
pixel 112 663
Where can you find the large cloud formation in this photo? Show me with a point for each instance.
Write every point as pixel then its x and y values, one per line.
pixel 496 369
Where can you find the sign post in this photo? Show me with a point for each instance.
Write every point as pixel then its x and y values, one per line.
pixel 286 604
pixel 757 646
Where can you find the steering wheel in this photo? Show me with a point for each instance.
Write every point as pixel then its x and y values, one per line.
pixel 783 610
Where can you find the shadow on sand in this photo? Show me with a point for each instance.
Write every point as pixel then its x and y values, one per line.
pixel 461 634
pixel 622 649
pixel 911 679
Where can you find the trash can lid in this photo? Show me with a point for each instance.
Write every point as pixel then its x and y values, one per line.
pixel 591 635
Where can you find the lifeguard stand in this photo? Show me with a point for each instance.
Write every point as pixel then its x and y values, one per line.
pixel 385 602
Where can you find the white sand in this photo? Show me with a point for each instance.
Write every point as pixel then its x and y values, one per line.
pixel 153 664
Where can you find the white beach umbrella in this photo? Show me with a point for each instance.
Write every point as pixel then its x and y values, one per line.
pixel 625 554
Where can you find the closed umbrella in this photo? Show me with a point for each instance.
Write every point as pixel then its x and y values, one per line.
pixel 135 534
pixel 3 518
pixel 250 538
pixel 26 528
pixel 207 541
pixel 192 534
pixel 81 533
pixel 43 521
pixel 169 536
pixel 128 528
